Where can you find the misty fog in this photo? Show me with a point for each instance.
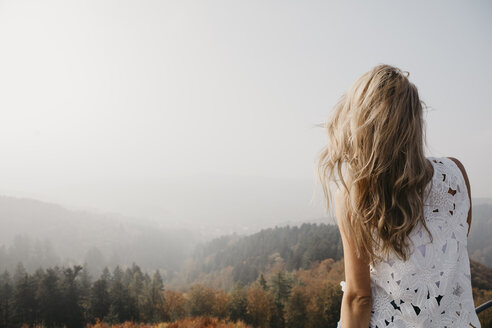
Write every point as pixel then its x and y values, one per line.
pixel 131 131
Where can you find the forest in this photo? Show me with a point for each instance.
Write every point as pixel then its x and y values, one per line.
pixel 59 297
pixel 278 277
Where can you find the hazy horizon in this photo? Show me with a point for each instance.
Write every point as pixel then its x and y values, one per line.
pixel 204 113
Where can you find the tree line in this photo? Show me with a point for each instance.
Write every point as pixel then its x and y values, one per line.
pixel 67 297
pixel 297 247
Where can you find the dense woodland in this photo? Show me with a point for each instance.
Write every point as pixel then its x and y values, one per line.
pixel 59 297
pixel 280 277
pixel 46 235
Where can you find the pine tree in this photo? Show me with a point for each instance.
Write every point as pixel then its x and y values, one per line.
pixel 120 309
pixel 99 298
pixel 238 303
pixel 24 297
pixel 72 309
pixel 155 298
pixel 263 282
pixel 135 281
pixel 50 298
pixel 280 286
pixel 6 294
pixel 85 285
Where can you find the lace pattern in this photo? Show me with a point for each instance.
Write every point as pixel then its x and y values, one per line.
pixel 433 288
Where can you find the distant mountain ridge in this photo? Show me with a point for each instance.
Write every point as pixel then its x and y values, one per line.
pixel 39 233
pixel 33 231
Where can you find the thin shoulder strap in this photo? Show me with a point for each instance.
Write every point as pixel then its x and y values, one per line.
pixel 467 182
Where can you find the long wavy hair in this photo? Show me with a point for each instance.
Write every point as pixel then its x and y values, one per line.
pixel 375 154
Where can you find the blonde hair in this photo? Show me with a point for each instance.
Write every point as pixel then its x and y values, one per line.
pixel 376 137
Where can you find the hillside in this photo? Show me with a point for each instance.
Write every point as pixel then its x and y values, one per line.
pixel 41 234
pixel 279 277
pixel 230 259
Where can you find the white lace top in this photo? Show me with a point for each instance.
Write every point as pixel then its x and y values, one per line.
pixel 433 288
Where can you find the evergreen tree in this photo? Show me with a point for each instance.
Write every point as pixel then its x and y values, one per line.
pixel 134 281
pixel 37 278
pixel 20 272
pixel 154 305
pixel 85 285
pixel 24 297
pixel 50 298
pixel 238 303
pixel 100 300
pixel 120 309
pixel 6 294
pixel 280 286
pixel 263 282
pixel 72 309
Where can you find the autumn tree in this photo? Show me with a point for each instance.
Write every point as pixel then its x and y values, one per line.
pixel 295 311
pixel 201 300
pixel 324 304
pixel 260 306
pixel 221 305
pixel 174 305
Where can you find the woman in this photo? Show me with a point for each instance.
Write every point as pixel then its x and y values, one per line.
pixel 403 218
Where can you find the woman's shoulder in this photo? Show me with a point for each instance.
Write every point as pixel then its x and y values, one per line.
pixel 461 169
pixel 454 163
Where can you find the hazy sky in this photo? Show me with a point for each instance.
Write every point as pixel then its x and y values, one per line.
pixel 129 106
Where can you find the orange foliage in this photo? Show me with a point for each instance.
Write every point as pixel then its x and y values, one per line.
pixel 174 305
pixel 260 305
pixel 325 270
pixel 199 322
pixel 205 322
pixel 122 325
pixel 221 304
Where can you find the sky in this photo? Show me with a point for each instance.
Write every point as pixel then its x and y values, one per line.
pixel 205 111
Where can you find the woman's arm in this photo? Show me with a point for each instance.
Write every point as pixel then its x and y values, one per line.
pixel 357 299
